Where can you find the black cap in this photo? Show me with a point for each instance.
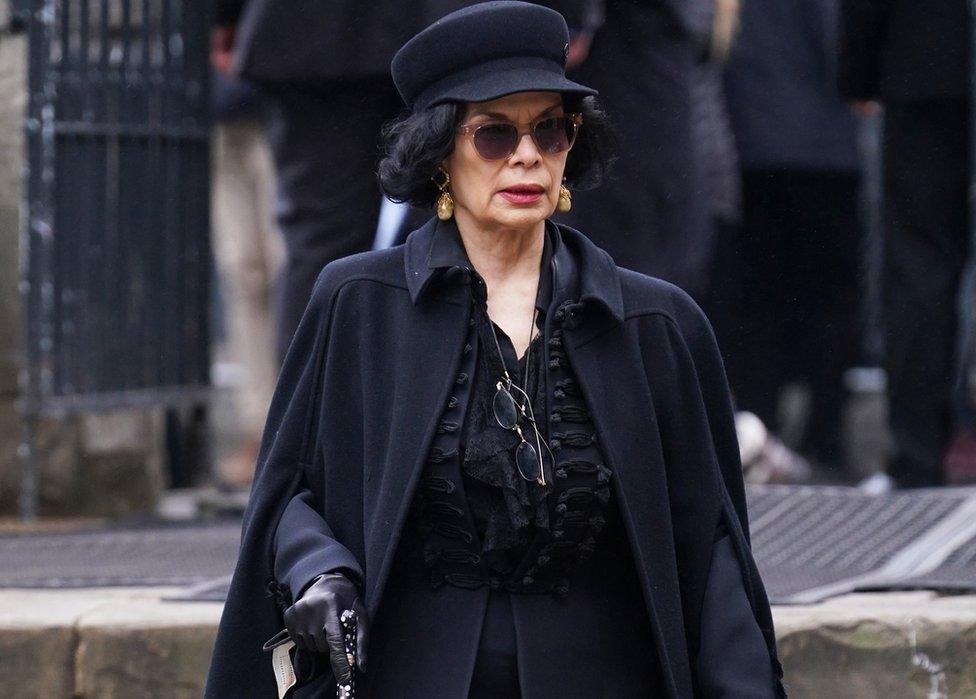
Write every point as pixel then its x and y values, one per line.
pixel 483 52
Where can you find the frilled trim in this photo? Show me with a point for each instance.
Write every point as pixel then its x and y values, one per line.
pixel 533 536
pixel 581 480
pixel 510 507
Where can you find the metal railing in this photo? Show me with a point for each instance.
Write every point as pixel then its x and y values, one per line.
pixel 115 236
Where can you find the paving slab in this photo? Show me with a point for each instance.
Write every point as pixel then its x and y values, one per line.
pixel 887 645
pixel 104 643
pixel 131 642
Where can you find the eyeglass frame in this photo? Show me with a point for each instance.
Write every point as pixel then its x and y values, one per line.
pixel 575 118
pixel 526 411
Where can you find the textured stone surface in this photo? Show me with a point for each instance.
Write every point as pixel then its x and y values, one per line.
pixel 123 662
pixel 121 464
pixel 35 663
pixel 13 101
pixel 118 642
pixel 90 465
pixel 104 643
pixel 139 646
pixel 13 51
pixel 885 645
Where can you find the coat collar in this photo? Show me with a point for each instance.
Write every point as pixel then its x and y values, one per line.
pixel 429 248
pixel 448 254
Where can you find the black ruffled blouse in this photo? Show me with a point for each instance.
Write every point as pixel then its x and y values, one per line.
pixel 507 509
pixel 482 522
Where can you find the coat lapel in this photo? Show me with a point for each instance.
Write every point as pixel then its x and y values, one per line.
pixel 427 358
pixel 609 366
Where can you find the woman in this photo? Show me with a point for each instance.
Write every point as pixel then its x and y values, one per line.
pixel 513 462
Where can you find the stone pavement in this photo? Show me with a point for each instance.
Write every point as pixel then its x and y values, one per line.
pixel 110 643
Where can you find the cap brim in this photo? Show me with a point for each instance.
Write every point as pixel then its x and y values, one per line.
pixel 493 85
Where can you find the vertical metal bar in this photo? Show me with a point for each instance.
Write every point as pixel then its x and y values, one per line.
pixel 57 91
pixel 169 171
pixel 152 246
pixel 110 87
pixel 201 24
pixel 35 228
pixel 63 75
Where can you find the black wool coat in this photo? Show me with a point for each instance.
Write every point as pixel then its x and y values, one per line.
pixel 358 402
pixel 309 41
pixel 904 50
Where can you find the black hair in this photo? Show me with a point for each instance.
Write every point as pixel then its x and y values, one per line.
pixel 414 144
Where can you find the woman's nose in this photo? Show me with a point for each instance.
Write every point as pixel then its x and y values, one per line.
pixel 526 152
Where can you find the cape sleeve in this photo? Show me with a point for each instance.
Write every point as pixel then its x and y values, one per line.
pixel 252 612
pixel 717 402
pixel 305 547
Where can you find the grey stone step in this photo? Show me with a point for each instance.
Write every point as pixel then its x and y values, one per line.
pixel 111 643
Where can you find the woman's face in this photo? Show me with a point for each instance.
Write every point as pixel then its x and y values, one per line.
pixel 499 193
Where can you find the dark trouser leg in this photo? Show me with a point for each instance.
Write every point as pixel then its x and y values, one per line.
pixel 325 145
pixel 749 288
pixel 823 332
pixel 783 302
pixel 649 214
pixel 926 244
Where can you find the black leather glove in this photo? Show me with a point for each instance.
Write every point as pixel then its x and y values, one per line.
pixel 313 622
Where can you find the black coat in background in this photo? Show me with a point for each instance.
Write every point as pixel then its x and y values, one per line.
pixel 325 68
pixel 360 397
pixel 650 214
pixel 904 50
pixel 314 40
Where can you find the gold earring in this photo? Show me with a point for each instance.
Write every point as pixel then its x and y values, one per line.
pixel 565 202
pixel 445 203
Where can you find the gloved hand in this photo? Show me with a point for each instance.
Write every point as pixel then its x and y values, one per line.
pixel 313 622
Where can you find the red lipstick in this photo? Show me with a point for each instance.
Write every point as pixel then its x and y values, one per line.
pixel 523 193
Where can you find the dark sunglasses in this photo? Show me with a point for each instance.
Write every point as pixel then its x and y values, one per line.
pixel 495 140
pixel 507 410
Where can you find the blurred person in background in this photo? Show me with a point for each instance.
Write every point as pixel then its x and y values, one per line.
pixel 787 278
pixel 765 459
pixel 650 214
pixel 324 67
pixel 248 252
pixel 913 57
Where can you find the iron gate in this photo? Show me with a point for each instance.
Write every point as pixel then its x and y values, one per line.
pixel 116 227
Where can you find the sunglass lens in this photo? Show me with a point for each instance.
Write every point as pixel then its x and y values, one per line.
pixel 496 141
pixel 554 135
pixel 504 408
pixel 527 461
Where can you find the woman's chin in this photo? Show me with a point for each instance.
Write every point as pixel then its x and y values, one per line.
pixel 512 216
